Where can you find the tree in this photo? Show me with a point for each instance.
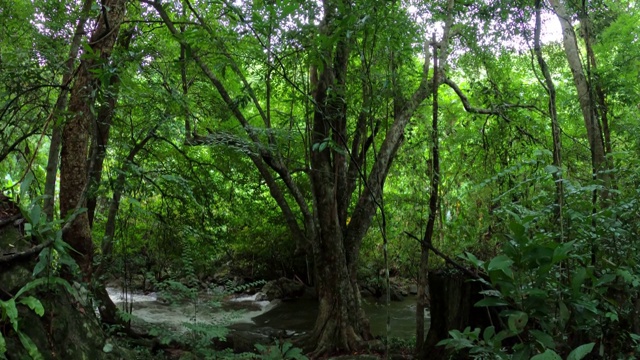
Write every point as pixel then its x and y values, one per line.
pixel 586 94
pixel 338 147
pixel 76 132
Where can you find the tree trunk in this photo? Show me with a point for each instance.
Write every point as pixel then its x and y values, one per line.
pixel 341 324
pixel 102 128
pixel 585 96
pixel 75 134
pixel 453 296
pixel 427 241
pixel 61 104
pixel 553 113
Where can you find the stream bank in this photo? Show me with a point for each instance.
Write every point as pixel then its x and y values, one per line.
pixel 246 320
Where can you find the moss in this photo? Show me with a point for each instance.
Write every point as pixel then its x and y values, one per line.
pixel 64 332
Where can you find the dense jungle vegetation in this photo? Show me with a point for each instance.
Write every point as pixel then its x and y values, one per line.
pixel 485 151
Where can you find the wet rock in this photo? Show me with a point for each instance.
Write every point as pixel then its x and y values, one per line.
pixel 413 289
pixel 260 296
pixel 283 288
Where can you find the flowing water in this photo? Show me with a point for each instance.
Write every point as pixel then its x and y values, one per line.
pixel 246 313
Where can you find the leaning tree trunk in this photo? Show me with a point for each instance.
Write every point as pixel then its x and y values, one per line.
pixel 75 134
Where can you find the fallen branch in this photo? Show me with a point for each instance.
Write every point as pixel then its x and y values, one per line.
pixel 26 253
pixel 9 220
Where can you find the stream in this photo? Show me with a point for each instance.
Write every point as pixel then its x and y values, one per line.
pixel 245 313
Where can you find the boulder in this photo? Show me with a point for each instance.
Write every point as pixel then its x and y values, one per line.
pixel 283 288
pixel 260 296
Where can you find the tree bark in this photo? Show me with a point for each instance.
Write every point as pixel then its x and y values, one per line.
pixel 585 96
pixel 75 134
pixel 549 86
pixel 427 241
pixel 102 127
pixel 453 296
pixel 61 104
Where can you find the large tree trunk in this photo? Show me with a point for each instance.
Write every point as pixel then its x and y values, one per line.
pixel 585 96
pixel 61 104
pixel 75 134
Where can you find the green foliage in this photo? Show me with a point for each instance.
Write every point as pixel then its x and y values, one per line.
pixel 551 295
pixel 194 209
pixel 280 351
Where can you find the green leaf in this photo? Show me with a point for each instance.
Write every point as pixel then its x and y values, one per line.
pixel 581 351
pixel 34 215
pixel 564 314
pixel 491 301
pixel 107 348
pixel 488 334
pixel 474 260
pixel 43 261
pixel 501 263
pixel 577 280
pixel 551 169
pixel 11 312
pixel 46 281
pixel 543 338
pixel 30 346
pixel 604 279
pixel 33 304
pixel 517 321
pixel 24 186
pixel 3 345
pixel 562 252
pixel 517 230
pixel 547 355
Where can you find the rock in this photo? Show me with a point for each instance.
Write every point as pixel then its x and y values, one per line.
pixel 73 334
pixel 413 289
pixel 67 329
pixel 14 274
pixel 283 288
pixel 260 296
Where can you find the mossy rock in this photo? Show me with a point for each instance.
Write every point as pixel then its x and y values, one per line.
pixel 17 273
pixel 66 331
